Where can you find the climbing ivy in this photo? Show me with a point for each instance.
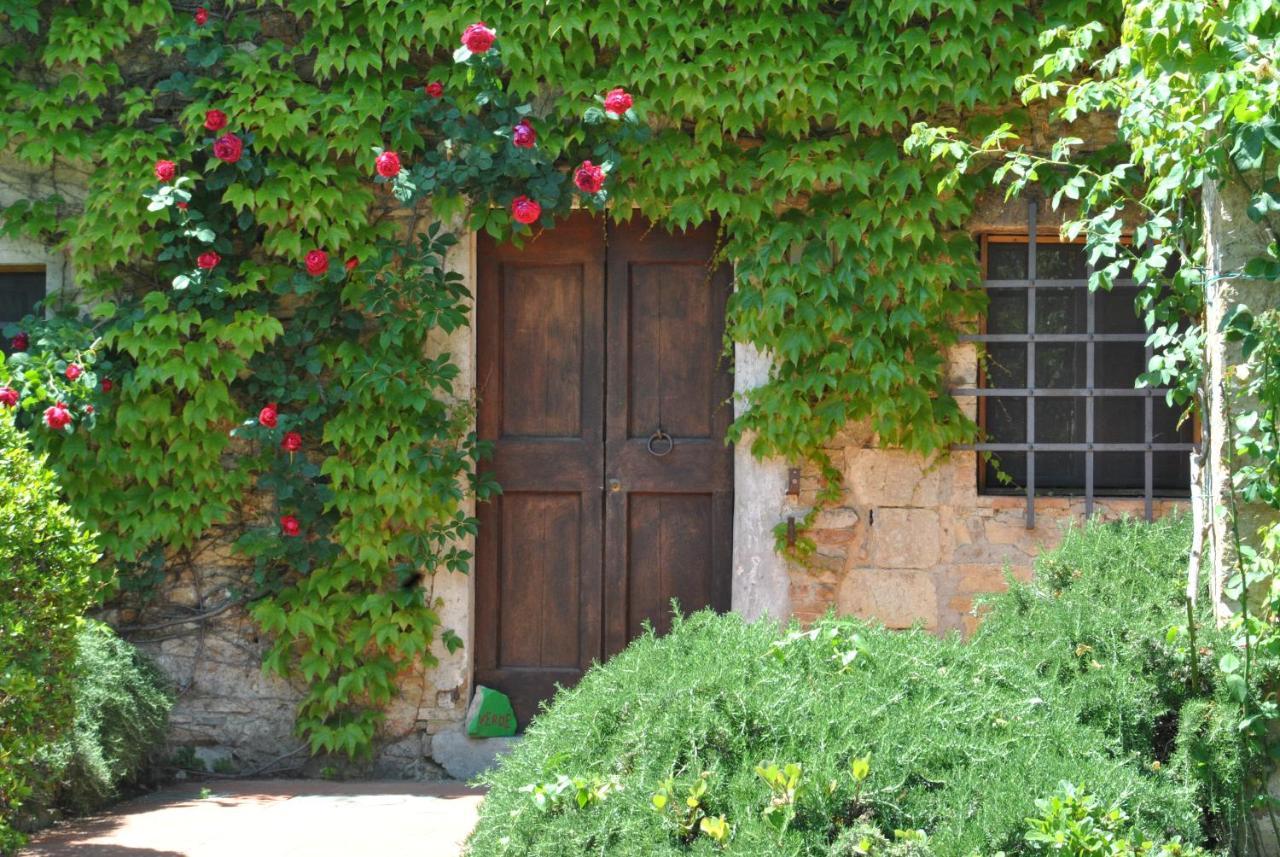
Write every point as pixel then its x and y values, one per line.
pixel 783 121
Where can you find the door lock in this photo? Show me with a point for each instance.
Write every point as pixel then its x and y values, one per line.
pixel 615 486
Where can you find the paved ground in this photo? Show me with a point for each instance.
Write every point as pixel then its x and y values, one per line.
pixel 275 818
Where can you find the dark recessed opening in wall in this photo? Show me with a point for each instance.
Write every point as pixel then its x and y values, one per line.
pixel 1057 401
pixel 22 287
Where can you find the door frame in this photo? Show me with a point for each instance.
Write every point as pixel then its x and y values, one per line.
pixel 759 582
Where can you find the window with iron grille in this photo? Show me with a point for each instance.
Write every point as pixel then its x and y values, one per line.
pixel 20 289
pixel 1056 399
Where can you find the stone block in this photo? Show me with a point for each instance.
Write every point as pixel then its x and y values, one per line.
pixel 838 518
pixel 466 758
pixel 974 579
pixel 890 477
pixel 899 599
pixel 906 538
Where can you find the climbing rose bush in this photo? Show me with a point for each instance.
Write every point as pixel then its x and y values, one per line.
pixel 334 351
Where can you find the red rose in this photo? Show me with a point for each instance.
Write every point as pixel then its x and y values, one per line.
pixel 8 397
pixel 201 16
pixel 478 38
pixel 57 417
pixel 215 120
pixel 208 260
pixel 20 342
pixel 388 164
pixel 289 526
pixel 588 177
pixel 267 416
pixel 292 442
pixel 435 89
pixel 317 263
pixel 617 101
pixel 88 409
pixel 182 206
pixel 166 170
pixel 525 210
pixel 107 384
pixel 228 148
pixel 523 135
pixel 352 263
pixel 73 371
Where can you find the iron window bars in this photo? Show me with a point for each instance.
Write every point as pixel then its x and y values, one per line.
pixel 1090 338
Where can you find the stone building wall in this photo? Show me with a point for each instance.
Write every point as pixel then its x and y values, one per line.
pixel 911 542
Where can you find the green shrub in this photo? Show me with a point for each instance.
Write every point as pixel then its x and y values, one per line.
pixel 1075 678
pixel 47 581
pixel 1072 823
pixel 122 711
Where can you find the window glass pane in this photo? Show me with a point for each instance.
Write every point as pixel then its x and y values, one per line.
pixel 1006 420
pixel 1061 310
pixel 1006 364
pixel 1006 260
pixel 1060 261
pixel 1007 311
pixel 1060 364
pixel 1118 473
pixel 1171 473
pixel 1118 364
pixel 1118 420
pixel 19 293
pixel 1012 466
pixel 1164 424
pixel 1059 471
pixel 1059 420
pixel 1114 311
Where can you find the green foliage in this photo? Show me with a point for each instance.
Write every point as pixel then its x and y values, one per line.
pixel 865 840
pixel 122 711
pixel 1081 676
pixel 47 581
pixel 1072 823
pixel 852 272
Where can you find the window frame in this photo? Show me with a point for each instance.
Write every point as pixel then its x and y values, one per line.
pixel 1033 236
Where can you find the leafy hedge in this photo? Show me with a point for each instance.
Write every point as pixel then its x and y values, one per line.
pixel 122 707
pixel 729 735
pixel 47 581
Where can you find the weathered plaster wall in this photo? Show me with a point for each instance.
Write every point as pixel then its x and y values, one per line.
pixel 1233 239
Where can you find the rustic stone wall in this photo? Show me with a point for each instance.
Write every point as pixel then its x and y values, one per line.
pixel 912 541
pixel 915 543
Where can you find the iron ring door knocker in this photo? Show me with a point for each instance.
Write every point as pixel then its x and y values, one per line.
pixel 661 443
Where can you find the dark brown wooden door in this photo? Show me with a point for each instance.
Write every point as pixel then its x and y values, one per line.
pixel 591 341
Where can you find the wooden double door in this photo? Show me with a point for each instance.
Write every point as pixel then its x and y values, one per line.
pixel 605 391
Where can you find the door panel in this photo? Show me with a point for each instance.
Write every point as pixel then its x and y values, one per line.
pixel 540 358
pixel 668 557
pixel 541 570
pixel 542 336
pixel 587 344
pixel 672 358
pixel 668 517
